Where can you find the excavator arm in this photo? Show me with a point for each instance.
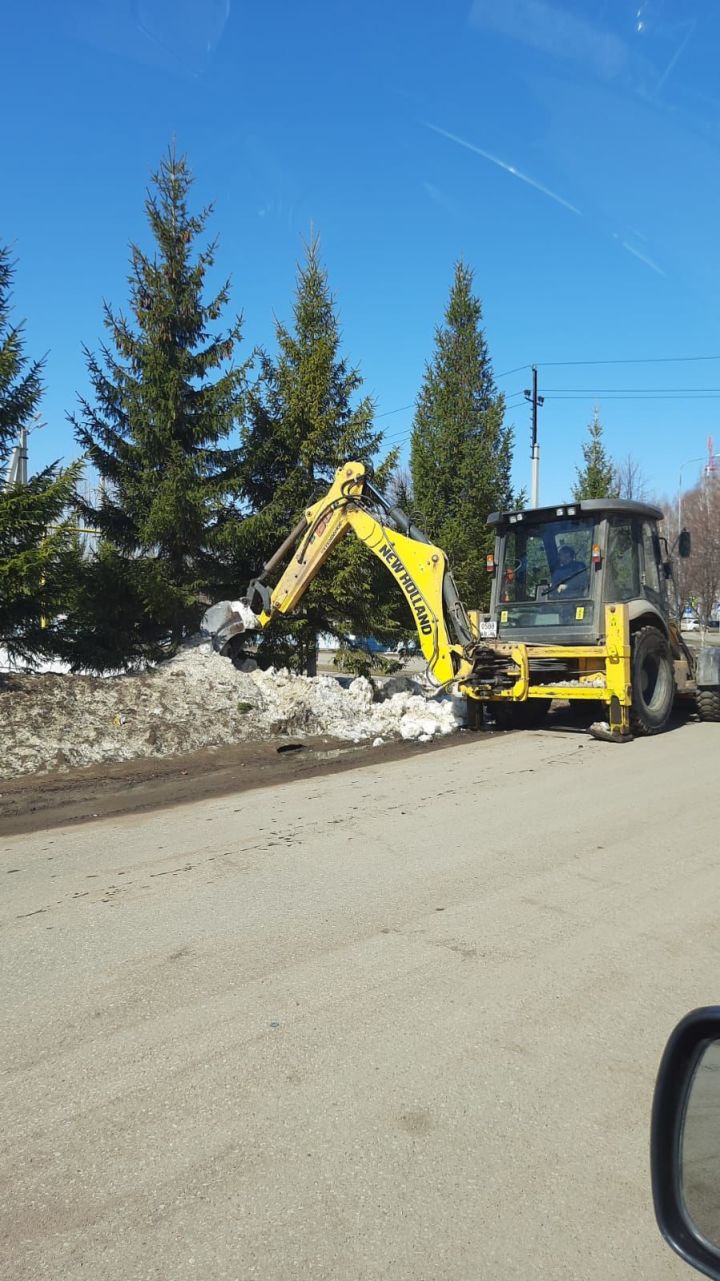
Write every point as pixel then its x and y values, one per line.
pixel 420 569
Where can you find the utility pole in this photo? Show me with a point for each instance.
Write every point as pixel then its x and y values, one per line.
pixel 535 400
pixel 708 470
pixel 23 460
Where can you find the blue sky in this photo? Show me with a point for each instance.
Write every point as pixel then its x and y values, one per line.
pixel 568 150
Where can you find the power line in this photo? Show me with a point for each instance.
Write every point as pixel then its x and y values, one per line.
pixel 629 396
pixel 397 436
pixel 563 364
pixel 602 391
pixel 582 393
pixel 515 400
pixel 634 360
pixel 518 369
pixel 402 433
pixel 388 412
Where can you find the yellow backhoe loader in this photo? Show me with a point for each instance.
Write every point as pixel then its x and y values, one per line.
pixel 579 607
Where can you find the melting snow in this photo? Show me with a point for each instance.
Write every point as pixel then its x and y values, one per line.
pixel 197 699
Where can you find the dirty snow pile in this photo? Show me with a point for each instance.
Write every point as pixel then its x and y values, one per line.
pixel 195 700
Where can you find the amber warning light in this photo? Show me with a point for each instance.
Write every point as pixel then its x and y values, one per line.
pixel 490 563
pixel 596 555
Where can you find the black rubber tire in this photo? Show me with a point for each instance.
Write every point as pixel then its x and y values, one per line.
pixel 528 715
pixel 707 702
pixel 653 682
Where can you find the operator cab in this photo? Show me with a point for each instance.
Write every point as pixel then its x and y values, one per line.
pixel 555 568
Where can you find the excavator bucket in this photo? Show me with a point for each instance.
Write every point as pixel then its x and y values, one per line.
pixel 226 620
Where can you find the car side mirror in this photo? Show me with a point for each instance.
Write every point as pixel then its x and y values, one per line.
pixel 684 544
pixel 685 1141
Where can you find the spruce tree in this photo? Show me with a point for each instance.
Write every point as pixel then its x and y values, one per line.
pixel 38 558
pixel 461 450
pixel 597 477
pixel 167 397
pixel 303 421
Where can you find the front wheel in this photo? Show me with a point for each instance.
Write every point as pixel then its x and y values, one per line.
pixel 653 682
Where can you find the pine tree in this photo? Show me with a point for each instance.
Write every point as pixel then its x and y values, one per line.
pixel 597 478
pixel 302 423
pixel 399 490
pixel 157 434
pixel 38 558
pixel 461 451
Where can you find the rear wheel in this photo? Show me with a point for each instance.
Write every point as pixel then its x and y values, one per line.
pixel 653 682
pixel 528 715
pixel 708 704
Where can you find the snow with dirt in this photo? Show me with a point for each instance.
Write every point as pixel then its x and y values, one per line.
pixel 195 700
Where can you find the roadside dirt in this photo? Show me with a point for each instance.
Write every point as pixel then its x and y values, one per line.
pixel 32 803
pixel 196 701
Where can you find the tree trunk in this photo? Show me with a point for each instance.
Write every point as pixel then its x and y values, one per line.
pixel 311 659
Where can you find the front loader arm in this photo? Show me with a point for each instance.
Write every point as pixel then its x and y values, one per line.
pixel 419 568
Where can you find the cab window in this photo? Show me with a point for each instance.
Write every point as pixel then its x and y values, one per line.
pixel 651 555
pixel 623 582
pixel 548 561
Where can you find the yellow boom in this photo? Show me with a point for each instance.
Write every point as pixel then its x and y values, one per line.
pixel 419 568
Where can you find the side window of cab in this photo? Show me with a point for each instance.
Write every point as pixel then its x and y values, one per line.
pixel 651 558
pixel 623 578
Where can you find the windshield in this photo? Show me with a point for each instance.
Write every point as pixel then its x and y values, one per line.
pixel 549 560
pixel 546 566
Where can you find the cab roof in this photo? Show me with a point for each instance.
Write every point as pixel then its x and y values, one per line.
pixel 587 507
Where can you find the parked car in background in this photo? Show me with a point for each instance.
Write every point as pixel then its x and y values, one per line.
pixel 368 643
pixel 407 648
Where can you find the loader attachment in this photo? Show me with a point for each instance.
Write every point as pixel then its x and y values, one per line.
pixel 227 620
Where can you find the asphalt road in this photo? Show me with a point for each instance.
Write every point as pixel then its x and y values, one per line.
pixel 399 1022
